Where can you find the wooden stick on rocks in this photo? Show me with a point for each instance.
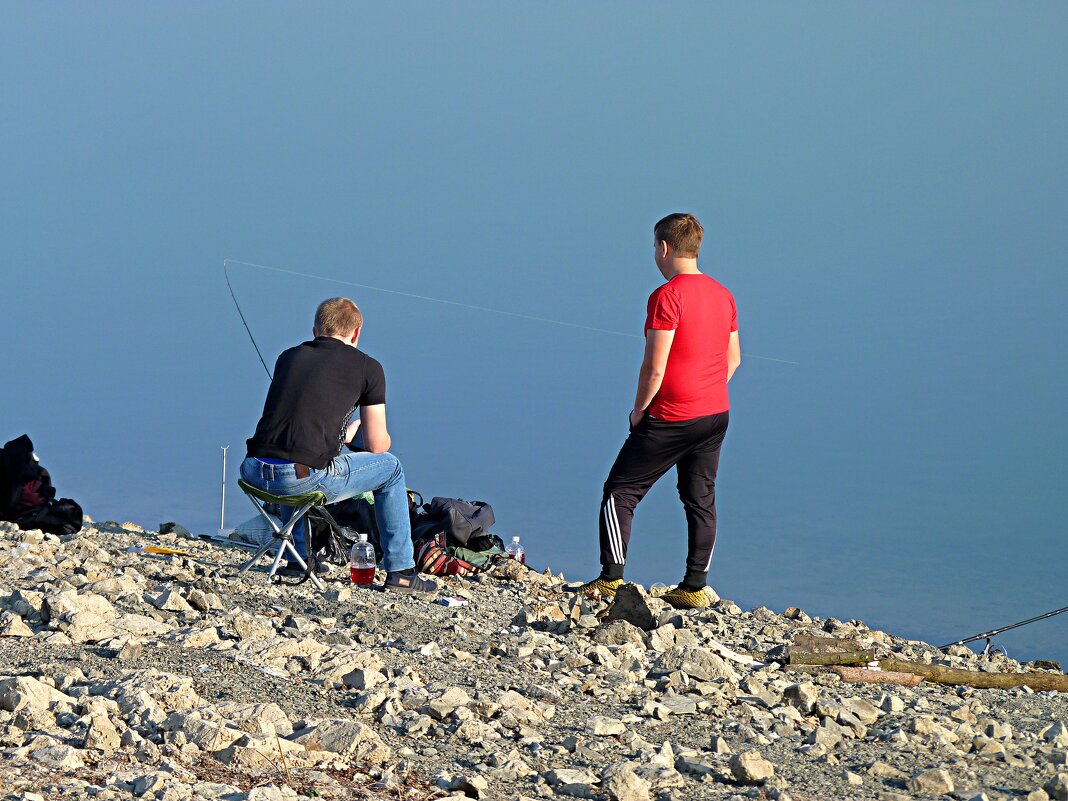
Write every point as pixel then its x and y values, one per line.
pixel 861 675
pixel 1040 682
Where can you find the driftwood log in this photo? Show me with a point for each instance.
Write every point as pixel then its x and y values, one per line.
pixel 807 649
pixel 844 658
pixel 814 654
pixel 861 675
pixel 936 674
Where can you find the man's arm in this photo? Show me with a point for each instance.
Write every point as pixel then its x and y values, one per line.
pixel 657 347
pixel 376 437
pixel 734 354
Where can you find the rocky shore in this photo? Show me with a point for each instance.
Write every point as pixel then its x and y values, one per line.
pixel 128 674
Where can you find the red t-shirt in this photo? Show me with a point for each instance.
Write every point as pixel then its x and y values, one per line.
pixel 702 313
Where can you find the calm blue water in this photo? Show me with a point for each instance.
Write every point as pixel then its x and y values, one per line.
pixel 882 189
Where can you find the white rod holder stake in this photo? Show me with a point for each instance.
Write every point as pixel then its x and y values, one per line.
pixel 222 512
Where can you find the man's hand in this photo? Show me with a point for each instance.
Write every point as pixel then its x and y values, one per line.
pixel 350 431
pixel 636 416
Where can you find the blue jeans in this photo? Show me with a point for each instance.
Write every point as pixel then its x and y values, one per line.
pixel 347 476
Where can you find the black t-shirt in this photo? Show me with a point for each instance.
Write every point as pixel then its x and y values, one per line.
pixel 317 385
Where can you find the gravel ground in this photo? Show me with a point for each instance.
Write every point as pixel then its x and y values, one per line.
pixel 112 664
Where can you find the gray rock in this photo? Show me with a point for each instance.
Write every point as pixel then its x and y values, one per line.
pixel 720 746
pixel 936 781
pixel 471 785
pixel 827 736
pixel 198 600
pixel 23 691
pixel 634 605
pixel 621 783
pixel 84 618
pixel 271 792
pixel 618 632
pixel 510 766
pixel 891 703
pixel 565 776
pixel 1057 734
pixel 802 696
pixel 102 735
pixel 149 783
pixel 346 737
pixel 998 730
pixel 600 726
pixel 679 704
pixel 448 702
pixel 207 735
pixel 751 767
pixel 11 625
pixel 880 770
pixel 695 764
pixel 363 679
pixel 1057 787
pixel 865 711
pixel 130 651
pixel 59 756
pixel 259 753
pixel 697 663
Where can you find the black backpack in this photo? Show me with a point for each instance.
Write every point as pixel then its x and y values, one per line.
pixel 357 516
pixel 466 524
pixel 27 497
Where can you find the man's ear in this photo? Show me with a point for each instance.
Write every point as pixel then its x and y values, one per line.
pixel 662 248
pixel 355 337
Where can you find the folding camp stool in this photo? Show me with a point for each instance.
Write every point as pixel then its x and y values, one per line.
pixel 283 537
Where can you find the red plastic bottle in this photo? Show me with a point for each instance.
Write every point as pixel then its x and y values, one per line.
pixel 516 551
pixel 362 562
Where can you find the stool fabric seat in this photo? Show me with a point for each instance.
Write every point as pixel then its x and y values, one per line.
pixel 313 498
pixel 283 536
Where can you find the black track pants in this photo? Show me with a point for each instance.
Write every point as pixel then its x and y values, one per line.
pixel 653 447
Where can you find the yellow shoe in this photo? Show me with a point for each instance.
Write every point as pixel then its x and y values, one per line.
pixel 604 586
pixel 686 599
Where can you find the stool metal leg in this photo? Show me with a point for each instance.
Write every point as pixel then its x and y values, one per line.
pixel 283 539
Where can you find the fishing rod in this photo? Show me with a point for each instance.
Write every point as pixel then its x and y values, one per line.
pixel 473 307
pixel 987 635
pixel 226 275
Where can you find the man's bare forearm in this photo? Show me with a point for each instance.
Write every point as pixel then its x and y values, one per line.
pixel 731 367
pixel 649 381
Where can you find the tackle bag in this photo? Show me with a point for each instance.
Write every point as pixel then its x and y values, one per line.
pixel 465 523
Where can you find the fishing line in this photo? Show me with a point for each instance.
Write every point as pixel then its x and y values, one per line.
pixel 473 307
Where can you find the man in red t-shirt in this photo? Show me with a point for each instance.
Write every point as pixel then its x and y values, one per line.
pixel 680 412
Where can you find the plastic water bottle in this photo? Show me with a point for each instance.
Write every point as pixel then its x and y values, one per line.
pixel 515 550
pixel 362 561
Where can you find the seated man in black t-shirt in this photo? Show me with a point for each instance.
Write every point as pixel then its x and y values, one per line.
pixel 317 386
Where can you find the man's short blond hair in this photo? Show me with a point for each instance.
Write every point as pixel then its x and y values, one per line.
pixel 337 317
pixel 682 231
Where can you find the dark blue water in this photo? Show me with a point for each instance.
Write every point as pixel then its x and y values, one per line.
pixel 882 190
